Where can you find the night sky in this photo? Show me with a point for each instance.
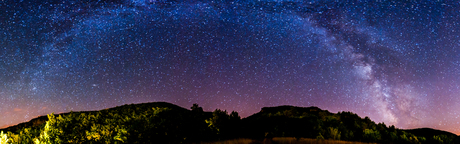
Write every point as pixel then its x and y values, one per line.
pixel 395 62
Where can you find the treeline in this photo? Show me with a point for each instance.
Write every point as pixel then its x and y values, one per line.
pixel 167 123
pixel 142 123
pixel 312 122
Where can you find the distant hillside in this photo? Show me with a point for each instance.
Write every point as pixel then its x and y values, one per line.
pixel 429 132
pixel 32 123
pixel 135 123
pixel 42 119
pixel 312 122
pixel 161 122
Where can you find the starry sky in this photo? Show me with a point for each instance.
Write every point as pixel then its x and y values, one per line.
pixel 395 62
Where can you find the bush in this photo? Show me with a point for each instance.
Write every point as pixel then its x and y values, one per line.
pixel 371 135
pixel 3 138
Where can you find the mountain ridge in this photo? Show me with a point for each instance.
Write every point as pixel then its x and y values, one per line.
pixel 194 125
pixel 7 127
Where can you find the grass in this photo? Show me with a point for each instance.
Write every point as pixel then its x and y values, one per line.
pixel 282 140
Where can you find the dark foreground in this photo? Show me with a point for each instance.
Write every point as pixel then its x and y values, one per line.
pixel 162 122
pixel 283 140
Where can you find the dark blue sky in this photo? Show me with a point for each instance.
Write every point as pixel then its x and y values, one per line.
pixel 396 62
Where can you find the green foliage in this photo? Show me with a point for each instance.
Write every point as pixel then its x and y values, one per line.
pixel 144 123
pixel 371 135
pixel 422 139
pixel 348 135
pixel 223 125
pixel 394 136
pixel 121 136
pixel 334 133
pixel 320 137
pixel 166 123
pixel 53 131
pixel 287 121
pixel 3 138
pixel 437 139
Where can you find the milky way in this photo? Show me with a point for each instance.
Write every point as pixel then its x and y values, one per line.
pixel 395 62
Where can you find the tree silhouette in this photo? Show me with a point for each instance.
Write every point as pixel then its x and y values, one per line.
pixel 168 123
pixel 196 108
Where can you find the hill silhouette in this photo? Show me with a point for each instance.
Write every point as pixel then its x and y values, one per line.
pixel 428 132
pixel 161 122
pixel 35 122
